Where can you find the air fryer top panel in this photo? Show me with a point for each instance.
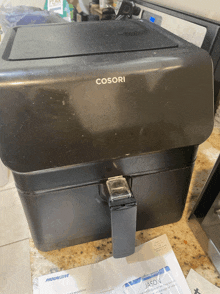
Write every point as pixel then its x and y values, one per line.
pixel 58 112
pixel 83 39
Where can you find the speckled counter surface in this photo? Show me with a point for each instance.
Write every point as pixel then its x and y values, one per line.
pixel 187 249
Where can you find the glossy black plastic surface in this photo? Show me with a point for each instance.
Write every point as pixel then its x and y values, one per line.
pixel 67 124
pixel 65 217
pixel 60 116
pixel 41 181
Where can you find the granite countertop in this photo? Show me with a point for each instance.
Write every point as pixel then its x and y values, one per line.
pixel 186 247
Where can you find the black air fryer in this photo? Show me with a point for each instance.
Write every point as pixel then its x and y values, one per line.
pixel 100 124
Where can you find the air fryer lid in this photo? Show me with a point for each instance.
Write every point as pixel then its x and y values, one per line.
pixel 82 39
pixel 57 112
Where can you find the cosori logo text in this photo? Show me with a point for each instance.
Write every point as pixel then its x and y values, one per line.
pixel 113 80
